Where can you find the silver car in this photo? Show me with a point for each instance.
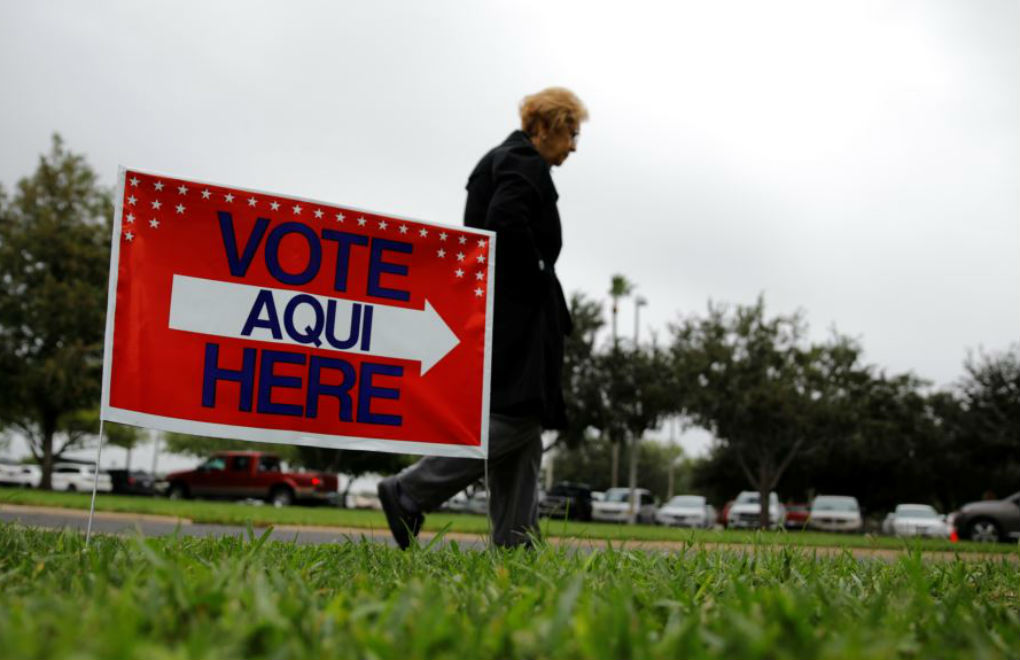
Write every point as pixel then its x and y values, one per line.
pixel 835 513
pixel 745 511
pixel 915 520
pixel 686 511
pixel 616 506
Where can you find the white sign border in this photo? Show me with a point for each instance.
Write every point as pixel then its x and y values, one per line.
pixel 276 436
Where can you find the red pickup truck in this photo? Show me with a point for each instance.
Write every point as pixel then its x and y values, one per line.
pixel 239 474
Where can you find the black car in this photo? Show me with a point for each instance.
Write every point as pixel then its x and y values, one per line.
pixel 567 500
pixel 134 482
pixel 989 520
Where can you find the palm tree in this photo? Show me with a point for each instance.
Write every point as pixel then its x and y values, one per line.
pixel 619 287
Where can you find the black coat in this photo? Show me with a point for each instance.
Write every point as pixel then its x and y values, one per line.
pixel 511 193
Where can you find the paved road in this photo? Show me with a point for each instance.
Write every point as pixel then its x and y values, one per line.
pixel 129 524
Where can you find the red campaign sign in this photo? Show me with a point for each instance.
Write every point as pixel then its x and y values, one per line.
pixel 243 314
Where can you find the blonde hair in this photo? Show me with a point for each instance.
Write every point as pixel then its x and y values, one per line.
pixel 555 107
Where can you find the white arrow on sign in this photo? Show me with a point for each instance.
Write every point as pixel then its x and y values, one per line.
pixel 212 307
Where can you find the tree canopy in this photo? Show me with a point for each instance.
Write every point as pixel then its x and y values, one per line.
pixel 54 264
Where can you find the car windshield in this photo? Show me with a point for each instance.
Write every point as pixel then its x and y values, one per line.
pixel 687 501
pixel 916 511
pixel 834 504
pixel 617 495
pixel 214 464
pixel 750 497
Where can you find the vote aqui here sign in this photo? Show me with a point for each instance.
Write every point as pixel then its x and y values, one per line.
pixel 244 314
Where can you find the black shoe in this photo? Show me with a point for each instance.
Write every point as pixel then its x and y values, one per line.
pixel 403 524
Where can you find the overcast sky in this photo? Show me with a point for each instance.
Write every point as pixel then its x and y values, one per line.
pixel 859 161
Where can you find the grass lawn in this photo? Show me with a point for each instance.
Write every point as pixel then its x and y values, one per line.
pixel 183 597
pixel 201 511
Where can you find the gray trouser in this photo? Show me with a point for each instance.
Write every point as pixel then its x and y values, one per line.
pixel 515 456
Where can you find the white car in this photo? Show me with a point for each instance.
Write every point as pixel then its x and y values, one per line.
pixel 75 477
pixel 686 511
pixel 915 520
pixel 616 506
pixel 745 511
pixel 17 474
pixel 835 513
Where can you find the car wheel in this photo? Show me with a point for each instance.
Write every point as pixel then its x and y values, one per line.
pixel 71 488
pixel 281 496
pixel 984 530
pixel 177 492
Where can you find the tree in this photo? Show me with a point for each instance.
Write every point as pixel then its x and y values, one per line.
pixel 581 379
pixel 980 415
pixel 766 394
pixel 619 287
pixel 632 393
pixel 54 263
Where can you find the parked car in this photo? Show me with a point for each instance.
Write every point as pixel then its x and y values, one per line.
pixel 915 520
pixel 989 520
pixel 243 474
pixel 19 474
pixel 363 498
pixel 724 513
pixel 598 495
pixel 567 500
pixel 478 503
pixel 616 506
pixel 79 477
pixel 456 504
pixel 133 482
pixel 835 513
pixel 687 511
pixel 746 511
pixel 796 515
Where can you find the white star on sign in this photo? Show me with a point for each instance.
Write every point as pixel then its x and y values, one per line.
pixel 442 236
pixel 479 275
pixel 182 190
pixel 134 181
pixel 478 292
pixel 129 236
pixel 130 217
pixel 441 253
pixel 423 232
pixel 403 229
pixel 460 256
pixel 361 222
pixel 229 197
pixel 154 223
pixel 180 208
pixel 159 185
pixel 275 206
pixel 481 242
pixel 156 204
pixel 297 209
pixel 383 224
pixel 462 240
pixel 206 194
pixel 459 272
pixel 481 258
pixel 252 201
pixel 340 217
pixel 318 213
pixel 131 199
